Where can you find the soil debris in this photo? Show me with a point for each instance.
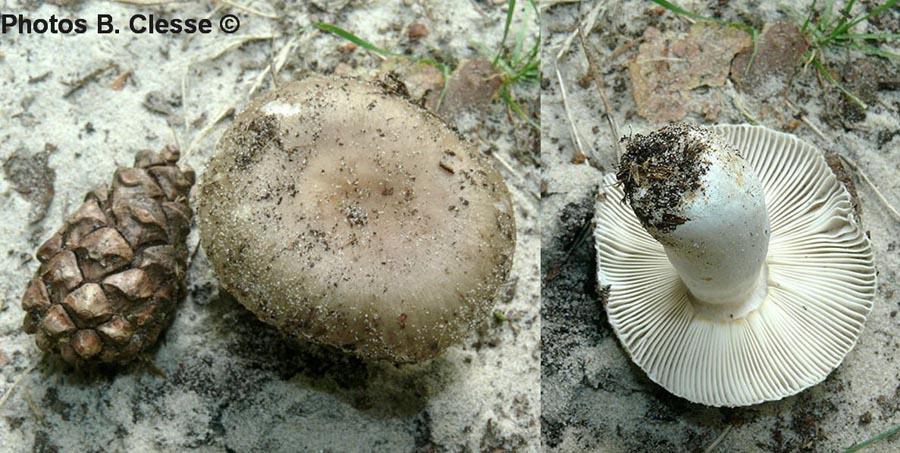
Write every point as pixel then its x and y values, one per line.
pixel 669 68
pixel 32 177
pixel 659 169
pixel 862 78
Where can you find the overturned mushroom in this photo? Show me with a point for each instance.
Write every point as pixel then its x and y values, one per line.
pixel 751 278
pixel 343 214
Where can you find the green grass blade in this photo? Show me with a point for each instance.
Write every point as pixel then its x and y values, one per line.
pixel 843 28
pixel 837 84
pixel 511 9
pixel 334 29
pixel 872 50
pixel 372 47
pixel 445 70
pixel 844 15
pixel 812 9
pixel 851 36
pixel 849 8
pixel 873 440
pixel 825 20
pixel 517 55
pixel 679 10
pixel 536 48
pixel 507 97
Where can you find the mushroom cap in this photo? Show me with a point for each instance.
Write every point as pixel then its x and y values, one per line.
pixel 820 285
pixel 345 215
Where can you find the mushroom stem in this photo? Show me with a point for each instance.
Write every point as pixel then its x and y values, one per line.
pixel 701 200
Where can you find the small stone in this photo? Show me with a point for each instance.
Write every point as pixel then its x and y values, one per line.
pixel 471 88
pixel 347 48
pixel 865 419
pixel 32 177
pixel 343 69
pixel 416 31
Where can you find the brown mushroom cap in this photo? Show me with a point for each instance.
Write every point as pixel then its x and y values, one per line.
pixel 343 214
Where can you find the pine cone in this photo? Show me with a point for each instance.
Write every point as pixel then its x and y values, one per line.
pixel 111 277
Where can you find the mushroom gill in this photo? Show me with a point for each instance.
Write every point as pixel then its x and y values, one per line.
pixel 738 271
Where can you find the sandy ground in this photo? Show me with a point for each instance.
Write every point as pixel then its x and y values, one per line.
pixel 593 397
pixel 221 380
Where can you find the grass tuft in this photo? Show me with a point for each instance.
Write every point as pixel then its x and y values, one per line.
pixel 518 65
pixel 828 31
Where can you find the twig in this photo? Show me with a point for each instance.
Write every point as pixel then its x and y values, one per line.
pixel 598 81
pixel 18 381
pixel 583 233
pixel 871 184
pixel 275 66
pixel 80 83
pixel 738 102
pixel 224 113
pixel 803 117
pixel 587 23
pixel 573 130
pixel 34 408
pixel 813 127
pixel 623 48
pixel 148 363
pixel 718 440
pixel 120 81
pixel 506 165
pixel 515 173
pixel 208 15
pixel 212 56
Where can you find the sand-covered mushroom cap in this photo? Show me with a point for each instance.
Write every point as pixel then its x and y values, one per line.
pixel 345 215
pixel 751 282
